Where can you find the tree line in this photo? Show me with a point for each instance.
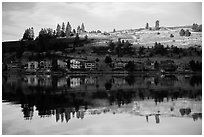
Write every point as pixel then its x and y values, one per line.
pixel 60 31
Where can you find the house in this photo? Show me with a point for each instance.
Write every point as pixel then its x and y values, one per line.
pixel 45 65
pixel 90 80
pixel 90 65
pixel 75 82
pixel 77 64
pixel 31 66
pixel 183 68
pixel 31 80
pixel 120 65
pixel 13 65
pixel 44 81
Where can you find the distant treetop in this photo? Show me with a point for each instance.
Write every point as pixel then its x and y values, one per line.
pixel 28 34
pixel 197 28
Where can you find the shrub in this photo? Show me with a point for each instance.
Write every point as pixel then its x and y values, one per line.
pixel 108 59
pixel 187 33
pixel 182 32
pixel 171 35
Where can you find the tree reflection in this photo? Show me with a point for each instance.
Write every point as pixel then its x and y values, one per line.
pixel 108 85
pixel 65 102
pixel 130 79
pixel 195 80
pixel 185 111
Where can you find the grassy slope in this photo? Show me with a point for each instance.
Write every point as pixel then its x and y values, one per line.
pixel 149 37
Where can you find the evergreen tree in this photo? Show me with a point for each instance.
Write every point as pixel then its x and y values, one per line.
pixel 46 33
pixel 63 30
pixel 82 27
pixel 147 26
pixel 111 45
pixel 118 47
pixel 58 30
pixel 130 66
pixel 26 34
pixel 50 32
pixel 32 33
pixel 97 60
pixel 108 59
pixel 63 27
pixel 76 41
pixel 78 29
pixel 157 25
pixel 86 37
pixel 68 30
pixel 127 46
pixel 74 31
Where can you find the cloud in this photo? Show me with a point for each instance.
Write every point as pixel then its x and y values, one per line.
pixel 105 16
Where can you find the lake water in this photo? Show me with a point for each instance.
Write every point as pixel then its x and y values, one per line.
pixel 102 104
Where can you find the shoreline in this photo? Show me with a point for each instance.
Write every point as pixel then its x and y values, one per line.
pixel 57 73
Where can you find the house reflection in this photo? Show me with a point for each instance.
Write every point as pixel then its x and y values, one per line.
pixel 113 83
pixel 74 96
pixel 43 81
pixel 75 82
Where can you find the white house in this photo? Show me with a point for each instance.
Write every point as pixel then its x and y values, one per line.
pixel 45 64
pixel 32 66
pixel 91 65
pixel 75 64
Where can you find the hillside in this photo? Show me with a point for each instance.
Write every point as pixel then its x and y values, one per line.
pixel 143 37
pixel 148 38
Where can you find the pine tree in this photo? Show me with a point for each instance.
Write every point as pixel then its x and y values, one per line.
pixel 157 25
pixel 63 27
pixel 58 30
pixel 147 26
pixel 50 32
pixel 63 30
pixel 82 27
pixel 78 29
pixel 32 33
pixel 74 31
pixel 68 30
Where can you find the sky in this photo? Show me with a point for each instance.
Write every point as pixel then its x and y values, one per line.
pixel 18 16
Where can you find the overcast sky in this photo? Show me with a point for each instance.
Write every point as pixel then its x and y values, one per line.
pixel 103 16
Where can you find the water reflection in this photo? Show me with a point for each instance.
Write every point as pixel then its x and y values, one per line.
pixel 77 96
